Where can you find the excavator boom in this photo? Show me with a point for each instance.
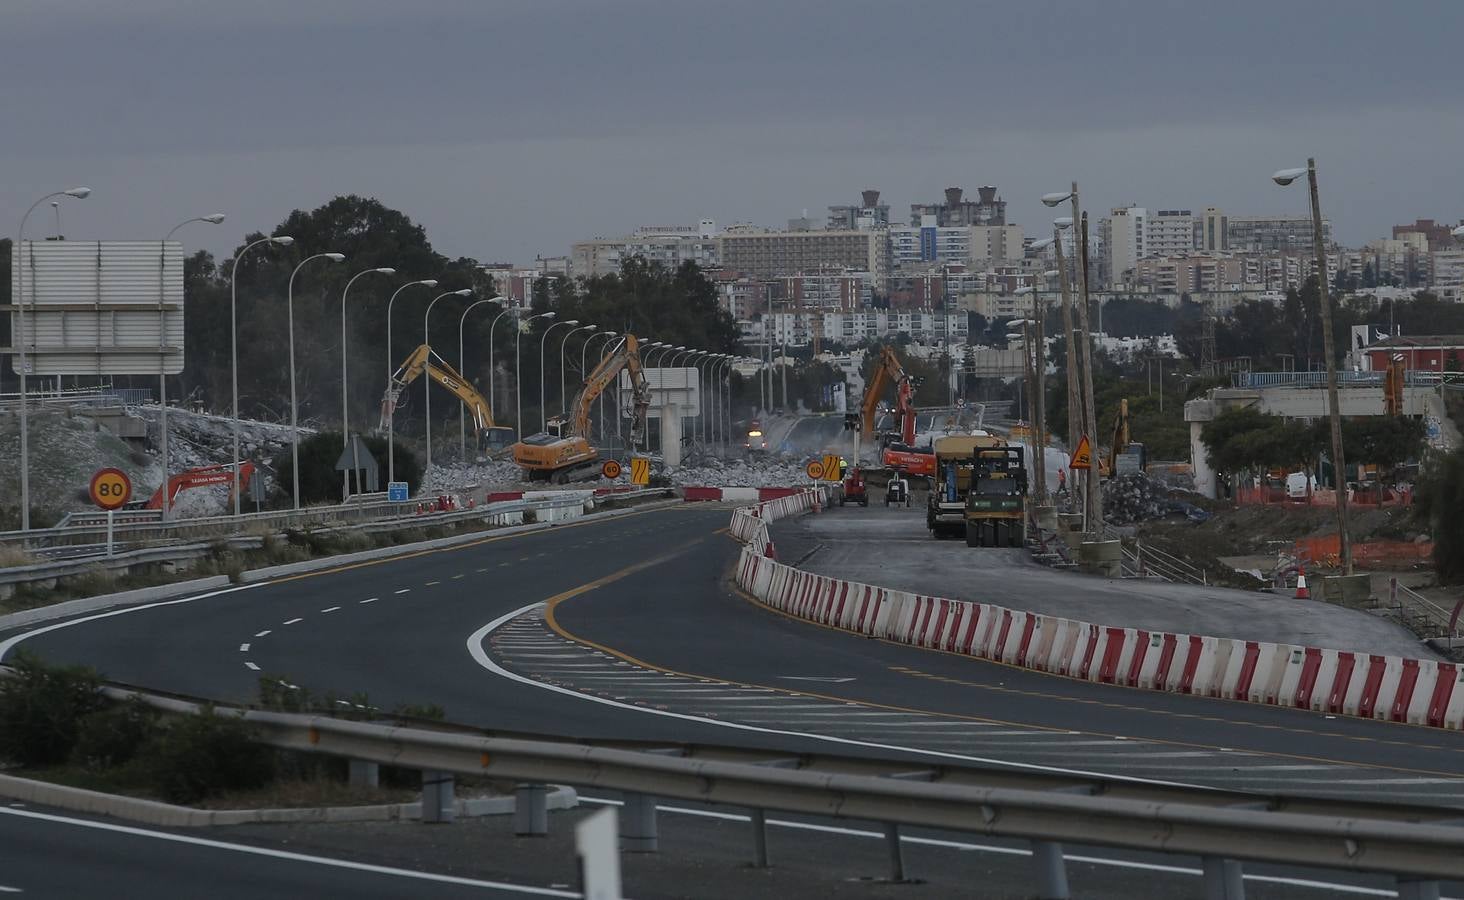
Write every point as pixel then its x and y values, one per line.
pixel 423 361
pixel 886 371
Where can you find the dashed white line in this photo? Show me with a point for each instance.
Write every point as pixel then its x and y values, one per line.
pixel 404 590
pixel 457 576
pixel 369 600
pixel 293 621
pixel 430 583
pixel 330 609
pixel 243 648
pixel 251 666
pixel 263 633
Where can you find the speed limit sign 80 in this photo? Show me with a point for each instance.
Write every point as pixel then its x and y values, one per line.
pixel 110 488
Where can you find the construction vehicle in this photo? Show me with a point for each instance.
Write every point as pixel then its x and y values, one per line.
pixel 493 440
pixel 563 453
pixel 898 450
pixel 1125 456
pixel 979 490
pixel 203 476
pixel 855 489
pixel 757 442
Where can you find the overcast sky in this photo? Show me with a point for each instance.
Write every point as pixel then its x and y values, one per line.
pixel 513 129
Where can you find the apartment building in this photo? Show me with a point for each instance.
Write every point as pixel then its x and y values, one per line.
pixel 766 254
pixel 669 245
pixel 1171 232
pixel 1124 233
pixel 869 213
pixel 955 212
pixel 1251 234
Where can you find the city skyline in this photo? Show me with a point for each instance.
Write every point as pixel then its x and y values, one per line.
pixel 505 148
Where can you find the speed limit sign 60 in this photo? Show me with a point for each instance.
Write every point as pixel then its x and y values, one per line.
pixel 110 488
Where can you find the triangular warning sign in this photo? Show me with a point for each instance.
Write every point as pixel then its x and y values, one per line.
pixel 1083 456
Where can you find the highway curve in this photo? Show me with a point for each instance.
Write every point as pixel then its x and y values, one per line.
pixel 643 637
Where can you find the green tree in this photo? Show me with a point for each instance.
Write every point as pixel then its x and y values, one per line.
pixel 1383 441
pixel 1437 501
pixel 1246 439
pixel 319 480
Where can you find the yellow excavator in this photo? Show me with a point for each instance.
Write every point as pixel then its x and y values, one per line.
pixel 493 440
pixel 563 453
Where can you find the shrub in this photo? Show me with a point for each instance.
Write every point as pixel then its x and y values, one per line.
pixel 113 736
pixel 197 756
pixel 41 709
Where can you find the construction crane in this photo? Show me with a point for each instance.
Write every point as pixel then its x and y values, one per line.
pixel 492 439
pixel 563 453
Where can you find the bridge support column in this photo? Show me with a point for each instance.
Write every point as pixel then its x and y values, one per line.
pixel 364 774
pixel 639 830
pixel 531 810
pixel 897 853
pixel 1409 889
pixel 1223 879
pixel 759 839
pixel 1052 883
pixel 438 804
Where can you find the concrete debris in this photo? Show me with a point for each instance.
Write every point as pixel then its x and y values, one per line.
pixel 1136 497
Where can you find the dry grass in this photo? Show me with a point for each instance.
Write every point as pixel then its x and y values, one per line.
pixel 11 557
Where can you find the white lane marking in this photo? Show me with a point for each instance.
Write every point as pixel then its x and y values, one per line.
pixel 243 648
pixel 293 621
pixel 457 576
pixel 263 633
pixel 370 600
pixel 251 666
pixel 330 609
pixel 404 591
pixel 292 857
pixel 7 889
pixel 830 680
pixel 430 583
pixel 1011 851
pixel 480 656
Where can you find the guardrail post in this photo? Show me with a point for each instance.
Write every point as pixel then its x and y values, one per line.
pixel 364 774
pixel 1410 889
pixel 1223 879
pixel 1052 883
pixel 639 828
pixel 897 853
pixel 531 810
pixel 759 839
pixel 438 804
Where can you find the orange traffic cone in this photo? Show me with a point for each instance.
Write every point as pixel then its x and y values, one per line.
pixel 769 552
pixel 1301 592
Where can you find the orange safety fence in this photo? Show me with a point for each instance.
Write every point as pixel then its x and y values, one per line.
pixel 1268 495
pixel 1327 549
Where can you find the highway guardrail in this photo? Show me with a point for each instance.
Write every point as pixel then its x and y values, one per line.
pixel 1417 845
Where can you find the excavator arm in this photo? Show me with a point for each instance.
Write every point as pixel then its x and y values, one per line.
pixel 886 371
pixel 626 356
pixel 423 360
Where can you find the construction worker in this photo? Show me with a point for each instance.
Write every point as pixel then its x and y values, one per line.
pixel 1062 480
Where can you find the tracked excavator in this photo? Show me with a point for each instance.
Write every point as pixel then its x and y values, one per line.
pixel 494 441
pixel 563 453
pixel 897 449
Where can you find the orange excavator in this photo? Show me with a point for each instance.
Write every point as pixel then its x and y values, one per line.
pixel 563 453
pixel 897 451
pixel 202 476
pixel 492 439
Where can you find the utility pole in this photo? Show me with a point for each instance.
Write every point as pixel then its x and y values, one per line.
pixel 1090 416
pixel 1339 464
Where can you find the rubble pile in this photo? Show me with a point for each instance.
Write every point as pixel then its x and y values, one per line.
pixel 713 472
pixel 1135 498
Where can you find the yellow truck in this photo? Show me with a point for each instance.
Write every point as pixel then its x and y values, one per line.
pixel 979 490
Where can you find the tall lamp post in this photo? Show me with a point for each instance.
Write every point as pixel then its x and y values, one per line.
pixel 391 407
pixel 1093 496
pixel 212 219
pixel 279 241
pixel 463 368
pixel 294 406
pixel 1334 413
pixel 426 378
pixel 345 411
pixel 518 365
pixel 563 357
pixel 543 351
pixel 80 193
pixel 508 310
pixel 585 374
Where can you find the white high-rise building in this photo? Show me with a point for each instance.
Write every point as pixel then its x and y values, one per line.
pixel 1124 239
pixel 1169 232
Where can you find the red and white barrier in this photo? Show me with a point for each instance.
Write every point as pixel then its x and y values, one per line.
pixel 1419 692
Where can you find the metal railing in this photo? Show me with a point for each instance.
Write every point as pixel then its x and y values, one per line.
pixel 1142 560
pixel 1412 604
pixel 1413 843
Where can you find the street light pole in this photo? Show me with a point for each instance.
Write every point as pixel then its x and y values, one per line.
pixel 391 406
pixel 279 241
pixel 294 406
pixel 543 394
pixel 563 356
pixel 80 193
pixel 345 410
pixel 1334 413
pixel 518 364
pixel 426 377
pixel 492 396
pixel 463 370
pixel 212 219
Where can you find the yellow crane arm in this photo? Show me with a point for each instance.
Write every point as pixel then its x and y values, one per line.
pixel 626 356
pixel 424 360
pixel 888 371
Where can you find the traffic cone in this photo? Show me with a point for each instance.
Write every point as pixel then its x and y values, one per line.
pixel 1301 592
pixel 770 552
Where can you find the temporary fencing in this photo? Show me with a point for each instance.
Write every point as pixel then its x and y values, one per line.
pixel 1417 691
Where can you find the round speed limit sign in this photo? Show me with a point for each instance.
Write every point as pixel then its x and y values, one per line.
pixel 611 469
pixel 815 469
pixel 110 488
